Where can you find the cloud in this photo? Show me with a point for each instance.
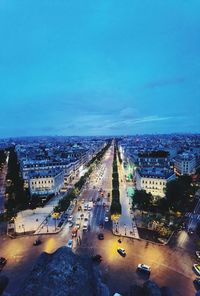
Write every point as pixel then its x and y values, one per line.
pixel 128 112
pixel 152 118
pixel 164 82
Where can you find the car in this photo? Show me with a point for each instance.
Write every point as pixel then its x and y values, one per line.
pixel 37 242
pixel 100 236
pixel 143 267
pixel 197 254
pixel 79 208
pixel 70 218
pixel 197 283
pixel 106 219
pixel 70 243
pixel 197 268
pixel 101 225
pixel 121 251
pixel 2 262
pixel 74 232
pixel 190 231
pixel 71 223
pixel 97 258
pixel 60 223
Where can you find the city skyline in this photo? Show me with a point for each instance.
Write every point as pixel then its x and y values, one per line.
pixel 102 68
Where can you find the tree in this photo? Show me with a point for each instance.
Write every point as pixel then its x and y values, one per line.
pixel 142 199
pixel 180 194
pixel 162 205
pixel 115 208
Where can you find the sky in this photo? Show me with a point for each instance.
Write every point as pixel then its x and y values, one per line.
pixel 109 67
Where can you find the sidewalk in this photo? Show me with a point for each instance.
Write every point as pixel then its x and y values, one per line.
pixel 126 225
pixel 30 220
pixel 36 220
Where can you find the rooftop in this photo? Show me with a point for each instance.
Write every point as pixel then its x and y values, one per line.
pixel 44 173
pixel 156 172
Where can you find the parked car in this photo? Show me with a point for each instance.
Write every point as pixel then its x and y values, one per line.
pixel 121 251
pixel 70 243
pixel 37 242
pixel 60 223
pixel 100 236
pixel 144 268
pixel 197 268
pixel 2 262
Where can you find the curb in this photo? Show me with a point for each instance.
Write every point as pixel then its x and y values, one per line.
pixel 116 234
pixel 142 239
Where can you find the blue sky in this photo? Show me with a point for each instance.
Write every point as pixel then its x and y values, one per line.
pixel 99 67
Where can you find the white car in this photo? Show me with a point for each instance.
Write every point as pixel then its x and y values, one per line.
pixel 70 218
pixel 70 243
pixel 143 267
pixel 106 219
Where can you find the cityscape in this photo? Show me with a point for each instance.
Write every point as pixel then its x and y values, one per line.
pixel 100 148
pixel 130 205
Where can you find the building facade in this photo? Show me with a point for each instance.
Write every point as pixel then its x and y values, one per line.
pixel 185 164
pixel 154 180
pixel 46 182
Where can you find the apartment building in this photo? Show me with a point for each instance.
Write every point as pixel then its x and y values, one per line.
pixel 185 163
pixel 46 182
pixel 154 180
